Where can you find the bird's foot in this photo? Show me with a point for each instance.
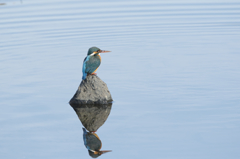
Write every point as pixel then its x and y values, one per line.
pixel 94 74
pixel 93 131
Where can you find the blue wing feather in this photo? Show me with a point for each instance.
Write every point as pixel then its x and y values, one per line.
pixel 90 64
pixel 85 138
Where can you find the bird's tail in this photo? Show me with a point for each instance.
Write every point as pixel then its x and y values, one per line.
pixel 84 76
pixel 84 131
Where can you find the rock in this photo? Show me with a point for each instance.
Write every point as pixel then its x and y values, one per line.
pixel 92 90
pixel 92 116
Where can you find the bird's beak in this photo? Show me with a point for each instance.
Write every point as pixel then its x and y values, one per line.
pixel 101 152
pixel 105 151
pixel 104 51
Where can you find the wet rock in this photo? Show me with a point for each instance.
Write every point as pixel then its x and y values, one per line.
pixel 92 90
pixel 92 116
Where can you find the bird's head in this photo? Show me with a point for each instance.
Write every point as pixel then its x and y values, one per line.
pixel 95 51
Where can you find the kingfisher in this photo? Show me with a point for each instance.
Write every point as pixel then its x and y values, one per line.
pixel 93 144
pixel 92 61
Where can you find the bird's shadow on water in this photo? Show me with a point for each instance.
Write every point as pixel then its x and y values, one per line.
pixel 92 118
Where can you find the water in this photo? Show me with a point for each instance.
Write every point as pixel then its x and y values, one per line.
pixel 173 74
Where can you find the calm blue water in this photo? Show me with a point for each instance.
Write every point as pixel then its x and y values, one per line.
pixel 173 74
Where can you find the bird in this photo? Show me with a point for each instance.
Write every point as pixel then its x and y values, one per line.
pixel 93 143
pixel 92 61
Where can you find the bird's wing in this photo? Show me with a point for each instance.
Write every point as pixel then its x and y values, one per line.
pixel 91 64
pixel 93 142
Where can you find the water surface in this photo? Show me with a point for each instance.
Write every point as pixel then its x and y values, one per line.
pixel 173 74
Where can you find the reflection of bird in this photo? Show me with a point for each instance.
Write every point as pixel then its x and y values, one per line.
pixel 92 61
pixel 93 144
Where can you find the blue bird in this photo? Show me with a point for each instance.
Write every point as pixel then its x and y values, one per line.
pixel 93 144
pixel 92 61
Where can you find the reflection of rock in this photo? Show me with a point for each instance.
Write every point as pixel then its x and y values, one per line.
pixel 92 116
pixel 93 143
pixel 92 90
